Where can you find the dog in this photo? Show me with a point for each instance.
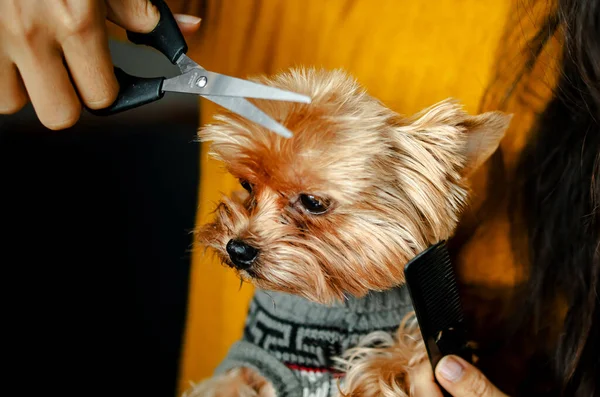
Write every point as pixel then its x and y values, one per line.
pixel 327 220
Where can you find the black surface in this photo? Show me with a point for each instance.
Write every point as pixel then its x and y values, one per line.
pixel 95 248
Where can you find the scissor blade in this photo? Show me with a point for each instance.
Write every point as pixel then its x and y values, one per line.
pixel 251 112
pixel 203 82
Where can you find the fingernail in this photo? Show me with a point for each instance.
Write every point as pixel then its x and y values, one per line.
pixel 451 369
pixel 187 19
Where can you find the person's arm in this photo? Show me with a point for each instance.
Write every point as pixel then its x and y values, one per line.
pixel 55 54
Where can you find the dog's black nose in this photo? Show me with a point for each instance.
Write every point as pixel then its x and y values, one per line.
pixel 242 255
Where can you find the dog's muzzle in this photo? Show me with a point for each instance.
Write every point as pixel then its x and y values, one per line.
pixel 241 254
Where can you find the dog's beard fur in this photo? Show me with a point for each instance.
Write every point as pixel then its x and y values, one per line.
pixel 392 185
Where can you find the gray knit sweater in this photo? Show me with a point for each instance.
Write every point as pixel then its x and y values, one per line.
pixel 292 341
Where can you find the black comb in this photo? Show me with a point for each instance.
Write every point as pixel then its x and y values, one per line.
pixel 434 293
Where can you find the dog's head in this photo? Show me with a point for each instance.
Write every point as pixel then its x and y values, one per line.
pixel 356 193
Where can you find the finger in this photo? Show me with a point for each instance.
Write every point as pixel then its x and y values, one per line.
pixel 462 379
pixel 188 24
pixel 422 383
pixel 13 96
pixel 88 57
pixel 135 15
pixel 49 87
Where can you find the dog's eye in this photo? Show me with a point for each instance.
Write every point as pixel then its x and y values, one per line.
pixel 246 185
pixel 313 204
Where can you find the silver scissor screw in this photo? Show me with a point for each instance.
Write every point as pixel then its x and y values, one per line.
pixel 201 82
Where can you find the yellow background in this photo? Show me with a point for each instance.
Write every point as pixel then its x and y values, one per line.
pixel 409 54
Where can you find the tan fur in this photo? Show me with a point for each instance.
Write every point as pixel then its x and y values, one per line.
pixel 383 371
pixel 394 186
pixel 239 382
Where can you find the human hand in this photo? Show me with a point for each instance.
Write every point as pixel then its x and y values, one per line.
pixel 56 54
pixel 454 374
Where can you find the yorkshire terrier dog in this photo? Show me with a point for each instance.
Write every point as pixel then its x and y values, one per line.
pixel 323 227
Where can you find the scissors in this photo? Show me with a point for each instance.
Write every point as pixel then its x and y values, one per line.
pixel 228 92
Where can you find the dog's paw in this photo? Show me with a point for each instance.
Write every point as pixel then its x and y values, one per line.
pixel 239 382
pixel 381 363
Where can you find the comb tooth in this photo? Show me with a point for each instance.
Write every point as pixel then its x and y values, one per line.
pixel 436 301
pixel 439 299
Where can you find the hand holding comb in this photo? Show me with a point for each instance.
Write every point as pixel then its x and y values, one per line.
pixel 434 293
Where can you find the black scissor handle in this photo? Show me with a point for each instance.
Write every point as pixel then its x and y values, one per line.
pixel 166 36
pixel 136 91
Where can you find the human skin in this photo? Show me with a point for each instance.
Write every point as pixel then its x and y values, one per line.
pixel 56 55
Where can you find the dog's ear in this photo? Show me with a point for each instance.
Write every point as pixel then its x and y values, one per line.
pixel 440 127
pixel 484 133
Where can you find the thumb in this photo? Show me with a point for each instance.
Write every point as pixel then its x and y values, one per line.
pixel 139 16
pixel 462 379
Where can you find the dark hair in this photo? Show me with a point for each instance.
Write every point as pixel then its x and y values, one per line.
pixel 557 200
